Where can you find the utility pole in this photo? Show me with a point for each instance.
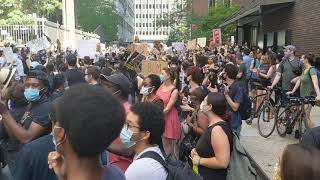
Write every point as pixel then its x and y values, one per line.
pixel 69 21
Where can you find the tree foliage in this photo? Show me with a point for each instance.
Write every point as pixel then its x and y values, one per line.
pixel 92 13
pixel 15 11
pixel 181 19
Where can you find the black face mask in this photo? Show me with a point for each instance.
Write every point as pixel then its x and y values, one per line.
pixel 186 80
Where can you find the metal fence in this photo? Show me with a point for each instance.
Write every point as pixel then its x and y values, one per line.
pixel 21 34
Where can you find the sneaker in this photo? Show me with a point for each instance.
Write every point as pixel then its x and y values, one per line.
pixel 297 134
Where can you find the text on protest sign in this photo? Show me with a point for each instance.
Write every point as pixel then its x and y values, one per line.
pixel 179 46
pixel 153 67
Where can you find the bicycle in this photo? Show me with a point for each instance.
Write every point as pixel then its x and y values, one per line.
pixel 265 113
pixel 294 112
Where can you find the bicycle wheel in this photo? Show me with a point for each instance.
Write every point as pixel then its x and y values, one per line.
pixel 302 126
pixel 266 120
pixel 281 122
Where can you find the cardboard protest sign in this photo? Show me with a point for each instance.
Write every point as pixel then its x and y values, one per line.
pixel 8 53
pixel 134 60
pixel 179 46
pixel 192 45
pixel 142 48
pixel 153 67
pixel 38 44
pixel 86 48
pixel 202 42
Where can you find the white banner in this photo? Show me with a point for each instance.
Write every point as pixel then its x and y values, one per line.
pixel 38 44
pixel 86 48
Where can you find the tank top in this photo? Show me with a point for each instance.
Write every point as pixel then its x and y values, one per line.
pixel 205 150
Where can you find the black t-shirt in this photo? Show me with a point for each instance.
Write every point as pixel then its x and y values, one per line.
pixel 74 76
pixel 312 137
pixel 32 160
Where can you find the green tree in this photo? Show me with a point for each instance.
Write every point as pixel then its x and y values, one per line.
pixel 94 13
pixel 43 8
pixel 181 19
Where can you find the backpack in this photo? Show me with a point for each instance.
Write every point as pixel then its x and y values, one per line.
pixel 245 106
pixel 176 169
pixel 240 165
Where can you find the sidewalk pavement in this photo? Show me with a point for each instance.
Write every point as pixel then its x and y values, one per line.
pixel 266 151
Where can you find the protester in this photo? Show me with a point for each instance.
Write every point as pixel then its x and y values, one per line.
pixel 286 72
pixel 241 76
pixel 73 74
pixel 35 122
pixel 118 85
pixel 308 84
pixel 92 75
pixel 58 86
pixel 18 62
pixel 212 153
pixel 150 86
pixel 169 94
pixel 298 162
pixel 234 96
pixel 312 137
pixel 81 136
pixel 142 132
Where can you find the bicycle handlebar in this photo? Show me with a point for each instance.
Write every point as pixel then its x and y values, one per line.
pixel 306 100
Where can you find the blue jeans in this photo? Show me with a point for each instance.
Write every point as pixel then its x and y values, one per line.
pixel 237 131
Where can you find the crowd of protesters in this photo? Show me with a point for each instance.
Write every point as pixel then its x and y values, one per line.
pixel 65 117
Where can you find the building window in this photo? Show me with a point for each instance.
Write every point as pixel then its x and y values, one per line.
pixel 163 6
pixel 150 15
pixel 146 24
pixel 153 15
pixel 157 33
pixel 139 6
pixel 153 6
pixel 167 6
pixel 137 25
pixel 157 6
pixel 137 15
pixel 143 16
pixel 150 6
pixel 147 33
pixel 143 33
pixel 150 25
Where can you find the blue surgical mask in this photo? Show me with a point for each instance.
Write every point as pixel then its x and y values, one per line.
pixel 125 136
pixel 32 95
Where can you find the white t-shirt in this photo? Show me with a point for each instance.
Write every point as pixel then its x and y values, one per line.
pixel 146 168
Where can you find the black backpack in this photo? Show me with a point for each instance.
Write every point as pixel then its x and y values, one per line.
pixel 176 169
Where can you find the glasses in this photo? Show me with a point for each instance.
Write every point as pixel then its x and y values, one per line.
pixel 128 126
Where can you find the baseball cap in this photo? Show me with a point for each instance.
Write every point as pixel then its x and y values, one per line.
pixel 119 79
pixel 290 47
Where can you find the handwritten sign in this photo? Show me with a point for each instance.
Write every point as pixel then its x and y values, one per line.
pixel 8 53
pixel 179 46
pixel 202 42
pixel 192 45
pixel 153 67
pixel 38 44
pixel 142 48
pixel 86 48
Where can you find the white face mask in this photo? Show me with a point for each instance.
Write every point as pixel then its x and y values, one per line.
pixel 145 91
pixel 202 107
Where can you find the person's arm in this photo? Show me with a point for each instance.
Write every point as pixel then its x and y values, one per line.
pixel 221 151
pixel 172 101
pixel 269 73
pixel 315 84
pixel 276 80
pixel 120 150
pixel 252 65
pixel 234 105
pixel 23 135
pixel 239 75
pixel 202 124
pixel 296 86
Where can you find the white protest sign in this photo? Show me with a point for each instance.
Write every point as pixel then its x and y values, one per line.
pixel 8 53
pixel 86 48
pixel 38 44
pixel 179 46
pixel 202 42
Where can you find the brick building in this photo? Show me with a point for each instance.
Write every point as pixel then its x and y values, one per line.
pixel 277 23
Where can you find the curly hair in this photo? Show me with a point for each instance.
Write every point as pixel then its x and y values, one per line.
pixel 196 74
pixel 151 118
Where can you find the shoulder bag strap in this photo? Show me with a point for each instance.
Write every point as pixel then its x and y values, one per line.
pixel 155 156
